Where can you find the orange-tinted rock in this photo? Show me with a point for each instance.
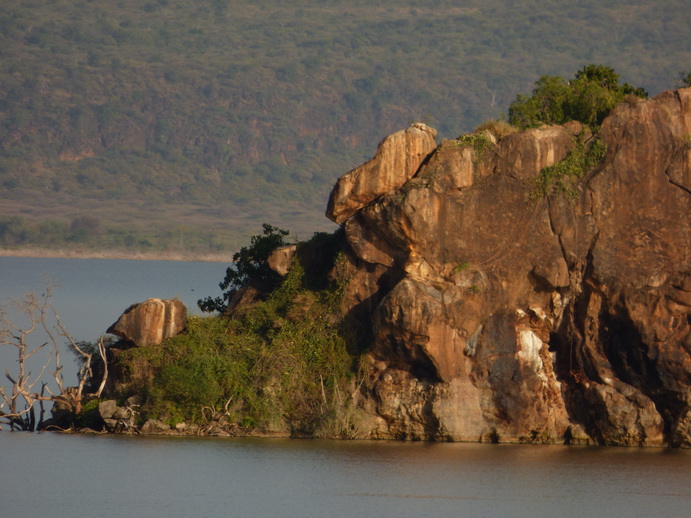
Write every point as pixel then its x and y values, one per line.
pixel 279 260
pixel 397 159
pixel 151 322
pixel 530 320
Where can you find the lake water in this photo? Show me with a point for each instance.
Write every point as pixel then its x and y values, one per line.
pixel 90 476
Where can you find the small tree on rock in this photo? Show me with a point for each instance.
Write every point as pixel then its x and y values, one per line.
pixel 249 265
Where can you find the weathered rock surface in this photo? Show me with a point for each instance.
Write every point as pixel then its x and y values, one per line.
pixel 398 158
pixel 155 427
pixel 149 323
pixel 495 316
pixel 279 260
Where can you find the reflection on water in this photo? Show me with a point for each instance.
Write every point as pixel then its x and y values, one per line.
pixel 136 476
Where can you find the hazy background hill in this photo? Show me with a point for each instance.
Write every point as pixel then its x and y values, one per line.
pixel 185 124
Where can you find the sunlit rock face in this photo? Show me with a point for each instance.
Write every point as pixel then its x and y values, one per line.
pixel 150 322
pixel 498 315
pixel 398 158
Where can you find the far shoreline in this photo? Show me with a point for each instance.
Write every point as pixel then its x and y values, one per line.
pixel 179 255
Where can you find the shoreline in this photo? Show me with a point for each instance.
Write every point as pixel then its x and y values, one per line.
pixel 116 254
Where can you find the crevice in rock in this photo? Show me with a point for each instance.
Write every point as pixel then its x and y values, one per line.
pixel 556 234
pixel 686 190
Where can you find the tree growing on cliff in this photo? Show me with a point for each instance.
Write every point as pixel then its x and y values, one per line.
pixel 249 265
pixel 588 98
pixel 36 341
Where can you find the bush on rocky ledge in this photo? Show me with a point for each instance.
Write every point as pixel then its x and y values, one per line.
pixel 281 364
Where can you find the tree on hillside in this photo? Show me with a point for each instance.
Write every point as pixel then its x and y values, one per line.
pixel 588 98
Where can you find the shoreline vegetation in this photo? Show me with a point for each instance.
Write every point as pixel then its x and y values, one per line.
pixel 170 255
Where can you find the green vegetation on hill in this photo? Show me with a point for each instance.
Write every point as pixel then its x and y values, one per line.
pixel 587 98
pixel 216 114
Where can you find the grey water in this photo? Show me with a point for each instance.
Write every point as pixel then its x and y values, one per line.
pixel 50 474
pixel 91 476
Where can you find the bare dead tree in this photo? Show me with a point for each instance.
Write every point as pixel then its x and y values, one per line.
pixel 17 409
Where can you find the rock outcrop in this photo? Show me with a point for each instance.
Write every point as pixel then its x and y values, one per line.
pixel 150 322
pixel 279 260
pixel 398 158
pixel 497 316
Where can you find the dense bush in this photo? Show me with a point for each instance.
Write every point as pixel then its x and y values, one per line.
pixel 587 98
pixel 249 264
pixel 285 362
pixel 563 177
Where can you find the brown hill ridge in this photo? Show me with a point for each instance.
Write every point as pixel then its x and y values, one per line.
pixel 498 316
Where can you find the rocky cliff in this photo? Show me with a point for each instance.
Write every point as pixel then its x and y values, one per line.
pixel 500 313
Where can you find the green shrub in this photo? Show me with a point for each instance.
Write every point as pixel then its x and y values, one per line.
pixel 285 360
pixel 587 98
pixel 480 143
pixel 563 176
pixel 90 416
pixel 249 264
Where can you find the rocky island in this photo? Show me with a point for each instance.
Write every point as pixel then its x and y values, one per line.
pixel 499 303
pixel 523 283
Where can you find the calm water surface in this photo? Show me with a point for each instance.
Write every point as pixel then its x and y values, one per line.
pixel 92 293
pixel 90 476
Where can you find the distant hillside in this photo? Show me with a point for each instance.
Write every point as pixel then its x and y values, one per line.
pixel 186 124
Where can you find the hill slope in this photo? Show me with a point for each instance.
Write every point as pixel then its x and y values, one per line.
pixel 186 124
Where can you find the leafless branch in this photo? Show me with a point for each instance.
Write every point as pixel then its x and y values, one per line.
pixel 17 409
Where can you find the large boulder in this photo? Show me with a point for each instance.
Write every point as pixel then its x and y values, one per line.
pixel 397 159
pixel 512 317
pixel 150 322
pixel 279 260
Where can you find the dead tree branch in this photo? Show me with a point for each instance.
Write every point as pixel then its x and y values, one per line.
pixel 17 408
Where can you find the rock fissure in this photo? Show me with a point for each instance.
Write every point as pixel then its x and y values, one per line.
pixel 682 187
